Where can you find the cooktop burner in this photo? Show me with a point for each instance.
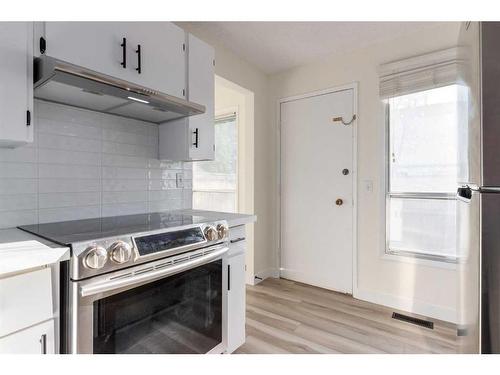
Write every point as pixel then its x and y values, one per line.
pixel 68 232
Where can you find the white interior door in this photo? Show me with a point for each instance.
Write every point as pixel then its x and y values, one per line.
pixel 316 232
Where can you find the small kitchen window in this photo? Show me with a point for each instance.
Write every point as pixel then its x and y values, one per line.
pixel 215 183
pixel 424 110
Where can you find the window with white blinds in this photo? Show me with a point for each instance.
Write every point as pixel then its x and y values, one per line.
pixel 424 104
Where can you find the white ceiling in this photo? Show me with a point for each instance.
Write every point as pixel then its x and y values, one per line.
pixel 277 46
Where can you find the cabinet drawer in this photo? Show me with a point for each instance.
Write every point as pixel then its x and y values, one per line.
pixel 38 339
pixel 25 300
pixel 236 233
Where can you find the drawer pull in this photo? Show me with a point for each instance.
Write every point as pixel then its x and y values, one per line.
pixel 238 240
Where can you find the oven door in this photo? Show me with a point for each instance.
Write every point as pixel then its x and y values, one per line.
pixel 175 305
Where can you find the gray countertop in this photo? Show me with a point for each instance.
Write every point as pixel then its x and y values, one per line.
pixel 232 219
pixel 21 251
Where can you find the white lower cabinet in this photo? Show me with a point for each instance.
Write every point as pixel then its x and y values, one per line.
pixel 38 339
pixel 236 300
pixel 28 310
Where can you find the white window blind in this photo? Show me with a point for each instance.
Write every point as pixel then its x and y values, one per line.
pixel 422 161
pixel 419 73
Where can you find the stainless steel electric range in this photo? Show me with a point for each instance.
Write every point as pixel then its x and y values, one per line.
pixel 149 283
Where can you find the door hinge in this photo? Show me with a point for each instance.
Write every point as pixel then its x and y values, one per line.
pixel 28 117
pixel 43 45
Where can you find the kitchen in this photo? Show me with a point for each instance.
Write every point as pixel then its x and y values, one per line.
pixel 159 192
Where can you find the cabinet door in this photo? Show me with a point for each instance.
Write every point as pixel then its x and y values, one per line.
pixel 93 45
pixel 162 56
pixel 38 339
pixel 16 83
pixel 236 302
pixel 201 89
pixel 192 138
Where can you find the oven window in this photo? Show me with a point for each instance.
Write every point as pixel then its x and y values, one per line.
pixel 179 314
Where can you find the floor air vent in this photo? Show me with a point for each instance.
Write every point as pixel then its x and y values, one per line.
pixel 412 320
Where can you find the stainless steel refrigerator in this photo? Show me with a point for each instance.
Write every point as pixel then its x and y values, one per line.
pixel 478 193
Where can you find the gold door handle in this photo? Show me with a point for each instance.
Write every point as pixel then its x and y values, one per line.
pixel 339 202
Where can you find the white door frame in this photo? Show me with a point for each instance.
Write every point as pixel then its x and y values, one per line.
pixel 351 86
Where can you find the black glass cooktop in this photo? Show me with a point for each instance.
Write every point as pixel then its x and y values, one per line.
pixel 68 232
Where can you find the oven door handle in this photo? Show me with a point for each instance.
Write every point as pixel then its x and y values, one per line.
pixel 109 285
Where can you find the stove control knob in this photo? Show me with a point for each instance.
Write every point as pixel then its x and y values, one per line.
pixel 96 257
pixel 210 233
pixel 222 231
pixel 120 252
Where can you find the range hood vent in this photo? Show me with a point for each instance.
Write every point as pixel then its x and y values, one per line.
pixel 61 82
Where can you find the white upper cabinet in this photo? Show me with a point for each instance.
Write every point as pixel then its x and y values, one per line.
pixel 16 83
pixel 192 138
pixel 162 56
pixel 149 54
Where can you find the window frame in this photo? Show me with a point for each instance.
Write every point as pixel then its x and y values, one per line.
pixel 220 116
pixel 388 251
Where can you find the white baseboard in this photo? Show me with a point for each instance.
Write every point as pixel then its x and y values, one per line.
pixel 264 274
pixel 407 304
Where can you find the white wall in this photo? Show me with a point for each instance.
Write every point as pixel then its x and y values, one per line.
pixel 244 74
pixel 419 287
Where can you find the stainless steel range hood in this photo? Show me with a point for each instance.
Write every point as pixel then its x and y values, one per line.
pixel 61 82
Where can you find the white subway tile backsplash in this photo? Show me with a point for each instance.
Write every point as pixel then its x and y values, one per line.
pixel 124 208
pixel 57 185
pixel 10 219
pixel 162 184
pixel 18 186
pixel 129 150
pixel 18 202
pixel 69 129
pixel 53 200
pixel 111 197
pixel 124 185
pixel 129 138
pixel 18 170
pixel 68 171
pixel 63 142
pixel 85 164
pixel 18 155
pixel 47 155
pixel 50 215
pixel 124 161
pixel 124 173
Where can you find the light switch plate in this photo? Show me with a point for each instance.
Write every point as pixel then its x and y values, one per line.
pixel 179 180
pixel 368 185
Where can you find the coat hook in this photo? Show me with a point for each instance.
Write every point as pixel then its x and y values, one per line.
pixel 341 119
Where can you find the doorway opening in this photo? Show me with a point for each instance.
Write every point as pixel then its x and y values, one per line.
pixel 227 183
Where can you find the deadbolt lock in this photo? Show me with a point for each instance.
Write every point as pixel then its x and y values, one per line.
pixel 339 202
pixel 345 171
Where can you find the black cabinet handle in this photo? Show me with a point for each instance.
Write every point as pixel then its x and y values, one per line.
pixel 195 144
pixel 138 51
pixel 124 53
pixel 238 240
pixel 228 277
pixel 28 117
pixel 43 344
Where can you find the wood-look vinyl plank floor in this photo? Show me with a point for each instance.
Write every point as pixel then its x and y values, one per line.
pixel 284 316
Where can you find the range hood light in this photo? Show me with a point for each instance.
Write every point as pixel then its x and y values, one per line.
pixel 138 100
